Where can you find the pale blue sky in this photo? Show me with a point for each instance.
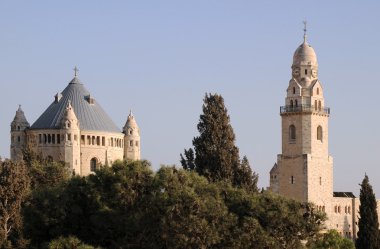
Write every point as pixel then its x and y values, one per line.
pixel 160 57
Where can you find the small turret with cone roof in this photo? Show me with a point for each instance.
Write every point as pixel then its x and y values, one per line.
pixel 69 120
pixel 131 139
pixel 19 122
pixel 18 135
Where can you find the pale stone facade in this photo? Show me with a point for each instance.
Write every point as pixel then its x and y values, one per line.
pixel 76 130
pixel 304 170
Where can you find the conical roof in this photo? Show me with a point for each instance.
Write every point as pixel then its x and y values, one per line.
pixel 131 122
pixel 90 114
pixel 20 118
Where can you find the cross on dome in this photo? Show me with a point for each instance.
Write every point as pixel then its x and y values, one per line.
pixel 76 71
pixel 304 31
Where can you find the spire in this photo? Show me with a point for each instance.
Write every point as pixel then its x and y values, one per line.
pixel 304 31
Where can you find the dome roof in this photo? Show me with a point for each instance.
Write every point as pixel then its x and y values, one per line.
pixel 90 114
pixel 305 54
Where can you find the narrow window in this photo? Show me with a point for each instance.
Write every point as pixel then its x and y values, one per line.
pixel 89 140
pixel 18 139
pixel 53 138
pixel 112 141
pixel 323 208
pixel 49 138
pixel 292 180
pixel 319 133
pixel 40 138
pixel 305 71
pixel 103 141
pixel 296 103
pixel 320 181
pixel 82 140
pixel 93 140
pixel 131 143
pixel 58 139
pixel 336 211
pixel 130 132
pixel 294 90
pixel 317 90
pixel 319 105
pixel 291 103
pixel 69 137
pixel 316 105
pixel 349 210
pixel 98 140
pixel 292 133
pixel 93 164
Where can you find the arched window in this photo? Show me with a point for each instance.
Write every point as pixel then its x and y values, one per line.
pixel 306 71
pixel 316 105
pixel 93 164
pixel 294 90
pixel 317 90
pixel 295 103
pixel 292 133
pixel 319 133
pixel 319 105
pixel 291 103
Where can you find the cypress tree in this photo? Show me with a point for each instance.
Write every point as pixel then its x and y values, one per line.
pixel 368 235
pixel 215 155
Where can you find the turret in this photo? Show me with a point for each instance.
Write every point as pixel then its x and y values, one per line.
pixel 70 133
pixel 18 135
pixel 131 139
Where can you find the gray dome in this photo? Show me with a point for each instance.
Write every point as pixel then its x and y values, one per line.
pixel 305 54
pixel 90 114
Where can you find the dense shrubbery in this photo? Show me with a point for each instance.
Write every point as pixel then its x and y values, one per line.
pixel 130 206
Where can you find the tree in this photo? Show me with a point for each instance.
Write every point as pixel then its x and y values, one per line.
pixel 368 235
pixel 70 242
pixel 244 176
pixel 215 154
pixel 332 240
pixel 14 187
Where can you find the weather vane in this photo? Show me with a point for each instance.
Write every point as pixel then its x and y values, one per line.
pixel 76 71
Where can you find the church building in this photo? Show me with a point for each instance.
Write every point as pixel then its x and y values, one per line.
pixel 75 129
pixel 304 170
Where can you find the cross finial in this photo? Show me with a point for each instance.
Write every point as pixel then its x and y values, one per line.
pixel 304 30
pixel 76 71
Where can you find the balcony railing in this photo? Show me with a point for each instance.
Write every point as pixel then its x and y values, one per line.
pixel 304 108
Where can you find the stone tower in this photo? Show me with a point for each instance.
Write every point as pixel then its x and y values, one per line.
pixel 70 135
pixel 304 170
pixel 18 134
pixel 131 139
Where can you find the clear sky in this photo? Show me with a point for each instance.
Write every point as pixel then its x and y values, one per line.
pixel 159 58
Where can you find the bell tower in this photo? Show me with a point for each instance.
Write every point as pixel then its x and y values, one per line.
pixel 304 170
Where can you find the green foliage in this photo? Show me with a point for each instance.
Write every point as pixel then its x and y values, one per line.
pixel 215 155
pixel 14 187
pixel 368 235
pixel 129 206
pixel 70 242
pixel 333 240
